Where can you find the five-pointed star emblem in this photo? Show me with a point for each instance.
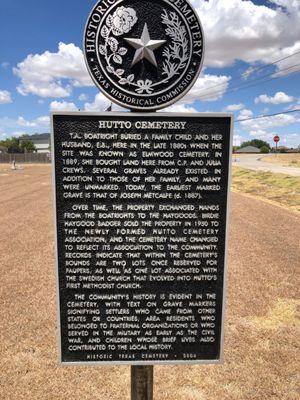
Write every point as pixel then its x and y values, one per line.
pixel 144 47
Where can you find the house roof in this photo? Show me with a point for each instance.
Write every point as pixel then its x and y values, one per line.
pixel 41 136
pixel 248 149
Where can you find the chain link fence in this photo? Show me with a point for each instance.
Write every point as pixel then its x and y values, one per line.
pixel 30 158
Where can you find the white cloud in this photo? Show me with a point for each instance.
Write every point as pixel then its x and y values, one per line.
pixel 290 140
pixel 244 114
pixel 7 123
pixel 101 103
pixel 234 29
pixel 54 75
pixel 83 97
pixel 261 134
pixel 295 106
pixel 249 71
pixel 238 29
pixel 5 97
pixel 2 133
pixel 20 126
pixel 238 140
pixel 45 74
pixel 62 106
pixel 180 108
pixel 275 121
pixel 291 64
pixel 234 107
pixel 278 98
pixel 40 122
pixel 18 133
pixel 203 90
pixel 207 88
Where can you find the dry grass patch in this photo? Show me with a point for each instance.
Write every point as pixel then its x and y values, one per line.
pixel 287 160
pixel 279 189
pixel 283 314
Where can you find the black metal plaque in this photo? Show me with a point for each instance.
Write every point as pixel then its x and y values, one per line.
pixel 144 54
pixel 141 211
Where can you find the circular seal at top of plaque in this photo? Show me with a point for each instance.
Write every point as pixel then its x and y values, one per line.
pixel 144 54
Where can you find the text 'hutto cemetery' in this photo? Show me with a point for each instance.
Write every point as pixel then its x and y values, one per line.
pixel 141 235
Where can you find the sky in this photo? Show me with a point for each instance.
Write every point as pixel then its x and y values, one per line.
pixel 251 66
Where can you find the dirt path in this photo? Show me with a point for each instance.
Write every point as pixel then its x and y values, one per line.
pixel 255 162
pixel 262 332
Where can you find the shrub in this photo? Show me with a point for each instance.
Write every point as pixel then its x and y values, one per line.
pixel 264 150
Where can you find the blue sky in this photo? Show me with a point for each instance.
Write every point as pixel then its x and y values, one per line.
pixel 42 67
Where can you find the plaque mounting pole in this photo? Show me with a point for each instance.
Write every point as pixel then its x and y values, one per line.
pixel 141 381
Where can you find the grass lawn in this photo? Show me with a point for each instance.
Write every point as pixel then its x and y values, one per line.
pixel 279 189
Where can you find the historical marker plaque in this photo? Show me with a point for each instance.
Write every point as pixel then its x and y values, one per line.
pixel 141 211
pixel 145 54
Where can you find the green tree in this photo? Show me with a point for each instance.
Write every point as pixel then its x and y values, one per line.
pixel 27 146
pixel 256 143
pixel 265 150
pixel 12 145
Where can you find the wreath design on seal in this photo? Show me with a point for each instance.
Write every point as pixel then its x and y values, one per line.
pixel 175 55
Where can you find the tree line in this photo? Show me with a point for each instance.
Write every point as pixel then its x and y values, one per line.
pixel 263 146
pixel 15 145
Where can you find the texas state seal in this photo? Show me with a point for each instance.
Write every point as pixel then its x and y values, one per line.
pixel 144 54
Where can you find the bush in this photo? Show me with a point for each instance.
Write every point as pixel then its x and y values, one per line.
pixel 264 150
pixel 27 146
pixel 256 143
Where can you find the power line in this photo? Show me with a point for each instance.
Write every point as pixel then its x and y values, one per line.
pixel 267 115
pixel 257 69
pixel 251 84
pixel 274 62
pixel 254 70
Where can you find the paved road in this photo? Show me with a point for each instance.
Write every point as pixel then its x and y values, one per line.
pixel 260 332
pixel 253 161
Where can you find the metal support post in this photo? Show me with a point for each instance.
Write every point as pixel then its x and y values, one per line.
pixel 142 382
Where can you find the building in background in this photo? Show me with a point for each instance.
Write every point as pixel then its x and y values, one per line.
pixel 41 142
pixel 3 150
pixel 248 150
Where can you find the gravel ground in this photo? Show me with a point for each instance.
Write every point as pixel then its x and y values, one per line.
pixel 262 330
